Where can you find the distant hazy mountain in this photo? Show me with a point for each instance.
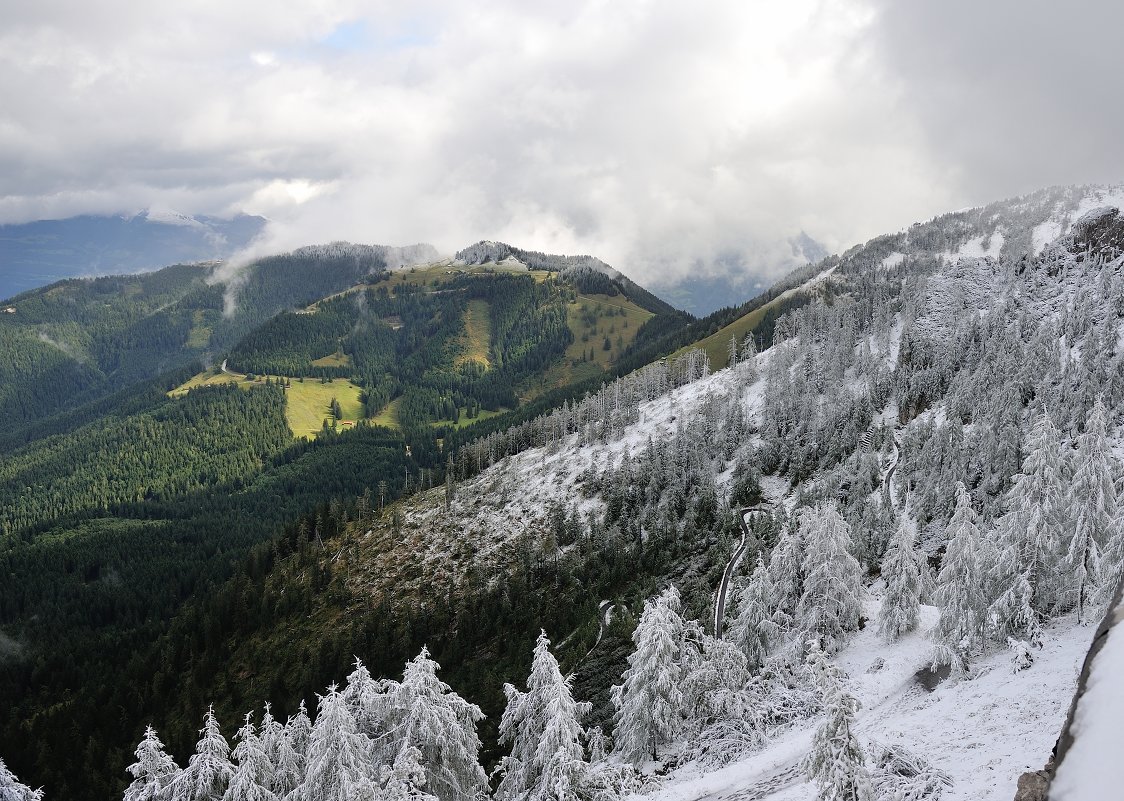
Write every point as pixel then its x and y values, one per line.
pixel 701 295
pixel 39 253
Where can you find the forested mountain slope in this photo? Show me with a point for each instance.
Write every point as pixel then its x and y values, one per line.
pixel 926 448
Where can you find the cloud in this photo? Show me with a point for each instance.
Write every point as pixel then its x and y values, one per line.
pixel 667 139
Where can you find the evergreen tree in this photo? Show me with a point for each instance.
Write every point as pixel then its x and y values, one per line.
pixel 649 702
pixel 12 790
pixel 755 629
pixel 903 569
pixel 424 713
pixel 543 726
pixel 1026 575
pixel 299 731
pixel 1092 504
pixel 960 595
pixel 153 771
pixel 287 764
pixel 340 765
pixel 209 771
pixel 253 778
pixel 786 570
pixel 837 763
pixel 404 780
pixel 832 601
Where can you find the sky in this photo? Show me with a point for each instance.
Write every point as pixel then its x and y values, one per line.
pixel 671 139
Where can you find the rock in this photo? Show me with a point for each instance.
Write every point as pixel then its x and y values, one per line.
pixel 1033 786
pixel 876 665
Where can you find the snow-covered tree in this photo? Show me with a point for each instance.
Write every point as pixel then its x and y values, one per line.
pixel 209 771
pixel 755 629
pixel 786 569
pixel 649 701
pixel 959 632
pixel 366 698
pixel 339 760
pixel 404 780
pixel 253 778
pixel 153 771
pixel 287 764
pixel 543 726
pixel 837 762
pixel 12 790
pixel 1026 577
pixel 1092 504
pixel 299 730
pixel 904 571
pixel 723 706
pixel 424 713
pixel 832 600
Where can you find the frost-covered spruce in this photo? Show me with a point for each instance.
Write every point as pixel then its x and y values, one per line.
pixel 903 569
pixel 837 762
pixel 543 726
pixel 299 730
pixel 755 629
pixel 959 632
pixel 786 570
pixel 832 601
pixel 1092 504
pixel 649 702
pixel 404 780
pixel 209 771
pixel 424 713
pixel 12 790
pixel 253 778
pixel 153 771
pixel 366 698
pixel 1026 575
pixel 287 764
pixel 339 765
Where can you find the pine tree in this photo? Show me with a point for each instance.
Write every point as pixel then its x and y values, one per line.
pixel 366 700
pixel 832 601
pixel 786 570
pixel 903 569
pixel 424 713
pixel 12 790
pixel 299 730
pixel 1092 503
pixel 340 766
pixel 837 763
pixel 649 702
pixel 404 780
pixel 153 771
pixel 755 629
pixel 209 771
pixel 253 778
pixel 960 594
pixel 543 726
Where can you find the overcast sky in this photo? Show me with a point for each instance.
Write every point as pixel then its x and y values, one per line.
pixel 664 137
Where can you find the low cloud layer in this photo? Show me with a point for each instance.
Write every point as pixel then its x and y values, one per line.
pixel 664 137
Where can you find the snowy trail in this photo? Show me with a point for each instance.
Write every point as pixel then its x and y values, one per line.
pixel 732 566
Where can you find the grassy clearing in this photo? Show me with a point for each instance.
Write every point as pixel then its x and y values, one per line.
pixel 478 333
pixel 389 415
pixel 200 335
pixel 208 378
pixel 308 404
pixel 484 414
pixel 592 319
pixel 337 359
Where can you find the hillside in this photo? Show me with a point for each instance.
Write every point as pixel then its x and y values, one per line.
pixel 914 364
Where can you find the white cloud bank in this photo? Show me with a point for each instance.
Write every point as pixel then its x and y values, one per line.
pixel 662 136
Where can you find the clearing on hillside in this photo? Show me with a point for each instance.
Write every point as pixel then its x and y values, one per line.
pixel 337 359
pixel 308 404
pixel 478 334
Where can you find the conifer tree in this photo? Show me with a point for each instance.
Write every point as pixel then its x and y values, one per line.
pixel 1092 504
pixel 755 629
pixel 903 569
pixel 340 766
pixel 404 780
pixel 209 771
pixel 786 569
pixel 1026 576
pixel 287 764
pixel 648 701
pixel 832 601
pixel 543 726
pixel 253 778
pixel 299 730
pixel 837 763
pixel 960 594
pixel 153 771
pixel 12 790
pixel 424 713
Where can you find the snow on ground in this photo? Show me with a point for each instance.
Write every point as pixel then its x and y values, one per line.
pixel 1092 769
pixel 984 732
pixel 982 247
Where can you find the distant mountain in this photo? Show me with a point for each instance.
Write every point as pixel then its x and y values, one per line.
pixel 732 284
pixel 39 253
